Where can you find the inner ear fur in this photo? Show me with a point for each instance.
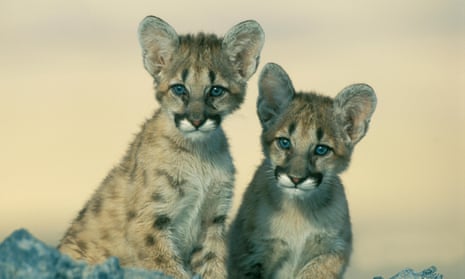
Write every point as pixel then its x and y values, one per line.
pixel 243 44
pixel 275 93
pixel 354 106
pixel 158 41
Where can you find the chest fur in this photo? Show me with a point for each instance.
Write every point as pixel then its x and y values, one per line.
pixel 293 229
pixel 206 182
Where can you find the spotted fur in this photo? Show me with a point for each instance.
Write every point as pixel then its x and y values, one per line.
pixel 294 219
pixel 164 206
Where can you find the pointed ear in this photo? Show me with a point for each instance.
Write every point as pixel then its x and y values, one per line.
pixel 354 106
pixel 243 44
pixel 158 41
pixel 275 93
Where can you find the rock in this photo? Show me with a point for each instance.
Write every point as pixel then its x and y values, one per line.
pixel 23 256
pixel 429 273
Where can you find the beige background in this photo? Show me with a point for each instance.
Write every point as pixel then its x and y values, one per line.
pixel 73 92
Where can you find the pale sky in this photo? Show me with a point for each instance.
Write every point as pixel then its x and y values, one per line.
pixel 73 92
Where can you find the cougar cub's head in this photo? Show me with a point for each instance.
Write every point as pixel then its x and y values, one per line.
pixel 199 79
pixel 308 138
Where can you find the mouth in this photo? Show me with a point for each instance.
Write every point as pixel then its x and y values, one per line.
pixel 309 183
pixel 196 127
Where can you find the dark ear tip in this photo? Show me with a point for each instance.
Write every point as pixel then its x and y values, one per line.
pixel 358 89
pixel 152 17
pixel 149 20
pixel 270 66
pixel 251 23
pixel 367 90
pixel 153 21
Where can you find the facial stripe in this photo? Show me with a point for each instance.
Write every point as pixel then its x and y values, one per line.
pixel 184 74
pixel 291 128
pixel 319 134
pixel 212 76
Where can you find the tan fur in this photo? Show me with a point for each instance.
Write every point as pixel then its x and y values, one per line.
pixel 294 219
pixel 164 207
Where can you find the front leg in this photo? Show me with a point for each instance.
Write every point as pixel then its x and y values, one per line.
pixel 261 258
pixel 209 258
pixel 154 248
pixel 326 258
pixel 327 266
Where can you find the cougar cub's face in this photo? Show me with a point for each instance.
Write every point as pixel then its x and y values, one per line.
pixel 199 79
pixel 198 98
pixel 308 138
pixel 302 145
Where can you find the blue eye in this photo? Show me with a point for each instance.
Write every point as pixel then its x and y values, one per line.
pixel 216 91
pixel 179 89
pixel 284 143
pixel 321 150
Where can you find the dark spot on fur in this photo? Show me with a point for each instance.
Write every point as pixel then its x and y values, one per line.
pixel 219 220
pixel 157 197
pixel 173 181
pixel 130 215
pixel 71 233
pixel 197 249
pixel 209 256
pixel 161 222
pixel 149 240
pixel 96 205
pixel 160 260
pixel 82 245
pixel 81 214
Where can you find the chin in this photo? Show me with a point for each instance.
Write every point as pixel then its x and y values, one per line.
pixel 197 135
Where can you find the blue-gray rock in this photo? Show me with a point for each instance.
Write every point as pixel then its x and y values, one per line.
pixel 408 273
pixel 23 256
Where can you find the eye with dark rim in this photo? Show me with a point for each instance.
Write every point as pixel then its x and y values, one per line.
pixel 322 150
pixel 284 143
pixel 178 89
pixel 217 91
